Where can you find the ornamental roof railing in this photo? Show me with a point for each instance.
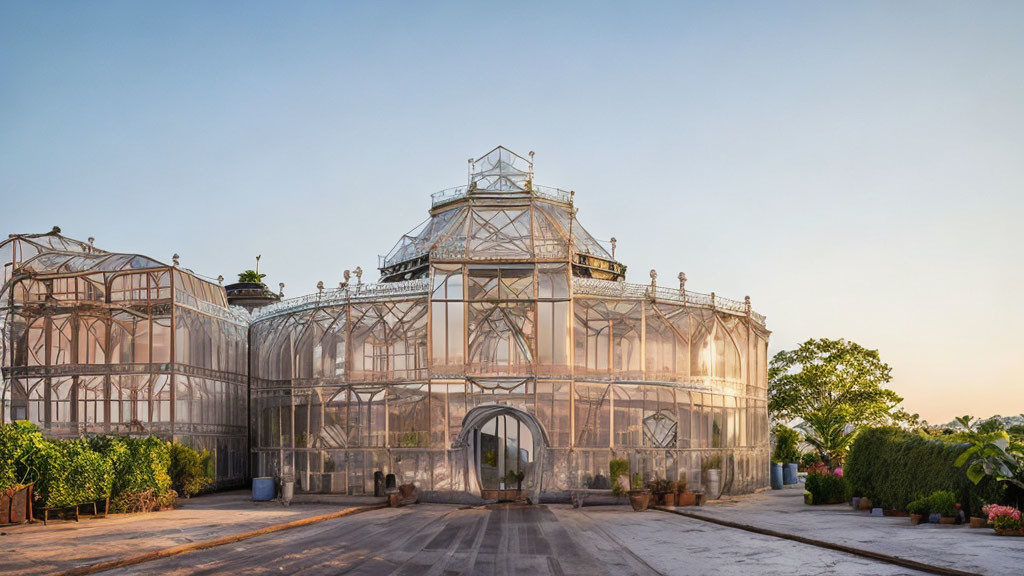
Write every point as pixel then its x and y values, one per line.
pixel 344 295
pixel 459 192
pixel 625 290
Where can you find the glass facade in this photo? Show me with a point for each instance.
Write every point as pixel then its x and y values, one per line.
pixel 503 337
pixel 98 342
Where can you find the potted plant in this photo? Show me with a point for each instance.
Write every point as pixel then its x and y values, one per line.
pixel 786 452
pixel 918 509
pixel 712 468
pixel 943 503
pixel 670 493
pixel 684 497
pixel 776 475
pixel 639 497
pixel 618 470
pixel 1006 520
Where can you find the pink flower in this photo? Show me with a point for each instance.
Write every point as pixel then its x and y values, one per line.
pixel 995 511
pixel 838 472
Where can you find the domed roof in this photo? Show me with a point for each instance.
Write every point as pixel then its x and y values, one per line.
pixel 500 215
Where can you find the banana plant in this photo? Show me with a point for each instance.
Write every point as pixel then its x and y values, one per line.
pixel 991 455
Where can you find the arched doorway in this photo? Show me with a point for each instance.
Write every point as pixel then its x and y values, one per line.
pixel 500 441
pixel 504 448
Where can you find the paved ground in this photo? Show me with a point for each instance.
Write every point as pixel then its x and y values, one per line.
pixel 959 547
pixel 552 539
pixel 37 549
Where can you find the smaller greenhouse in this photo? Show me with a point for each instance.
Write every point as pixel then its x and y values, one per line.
pixel 100 342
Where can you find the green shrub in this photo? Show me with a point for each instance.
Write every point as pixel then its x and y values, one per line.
pixel 139 464
pixel 809 459
pixel 65 472
pixel 190 471
pixel 827 488
pixel 920 506
pixel 786 440
pixel 942 502
pixel 893 468
pixel 617 468
pixel 72 473
pixel 9 455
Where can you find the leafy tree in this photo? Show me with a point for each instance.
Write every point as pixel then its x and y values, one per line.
pixel 251 276
pixel 836 378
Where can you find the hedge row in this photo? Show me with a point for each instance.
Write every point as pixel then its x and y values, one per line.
pixel 893 468
pixel 136 473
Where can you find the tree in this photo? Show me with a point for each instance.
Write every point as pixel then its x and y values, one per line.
pixel 826 432
pixel 991 425
pixel 833 381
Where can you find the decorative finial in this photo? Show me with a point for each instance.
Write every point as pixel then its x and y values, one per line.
pixel 220 279
pixel 654 280
pixel 91 240
pixel 682 282
pixel 531 154
pixel 712 299
pixel 347 275
pixel 320 286
pixel 280 289
pixel 174 259
pixel 56 230
pixel 614 242
pixel 359 275
pixel 746 301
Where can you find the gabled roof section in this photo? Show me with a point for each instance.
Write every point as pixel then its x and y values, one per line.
pixel 52 253
pixel 501 170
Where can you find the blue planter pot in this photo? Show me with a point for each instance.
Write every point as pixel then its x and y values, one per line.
pixel 263 489
pixel 776 476
pixel 789 474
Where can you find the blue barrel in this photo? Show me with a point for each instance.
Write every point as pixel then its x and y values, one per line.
pixel 789 474
pixel 263 489
pixel 776 476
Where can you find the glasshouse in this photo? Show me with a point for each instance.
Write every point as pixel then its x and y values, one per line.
pixel 503 342
pixel 501 348
pixel 98 342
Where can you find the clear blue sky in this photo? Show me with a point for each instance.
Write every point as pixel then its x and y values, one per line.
pixel 857 169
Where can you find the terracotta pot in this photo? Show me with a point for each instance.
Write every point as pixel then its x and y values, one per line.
pixel 686 499
pixel 639 499
pixel 16 507
pixel 670 499
pixel 947 520
pixel 978 522
pixel 1005 532
pixel 865 504
pixel 915 519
